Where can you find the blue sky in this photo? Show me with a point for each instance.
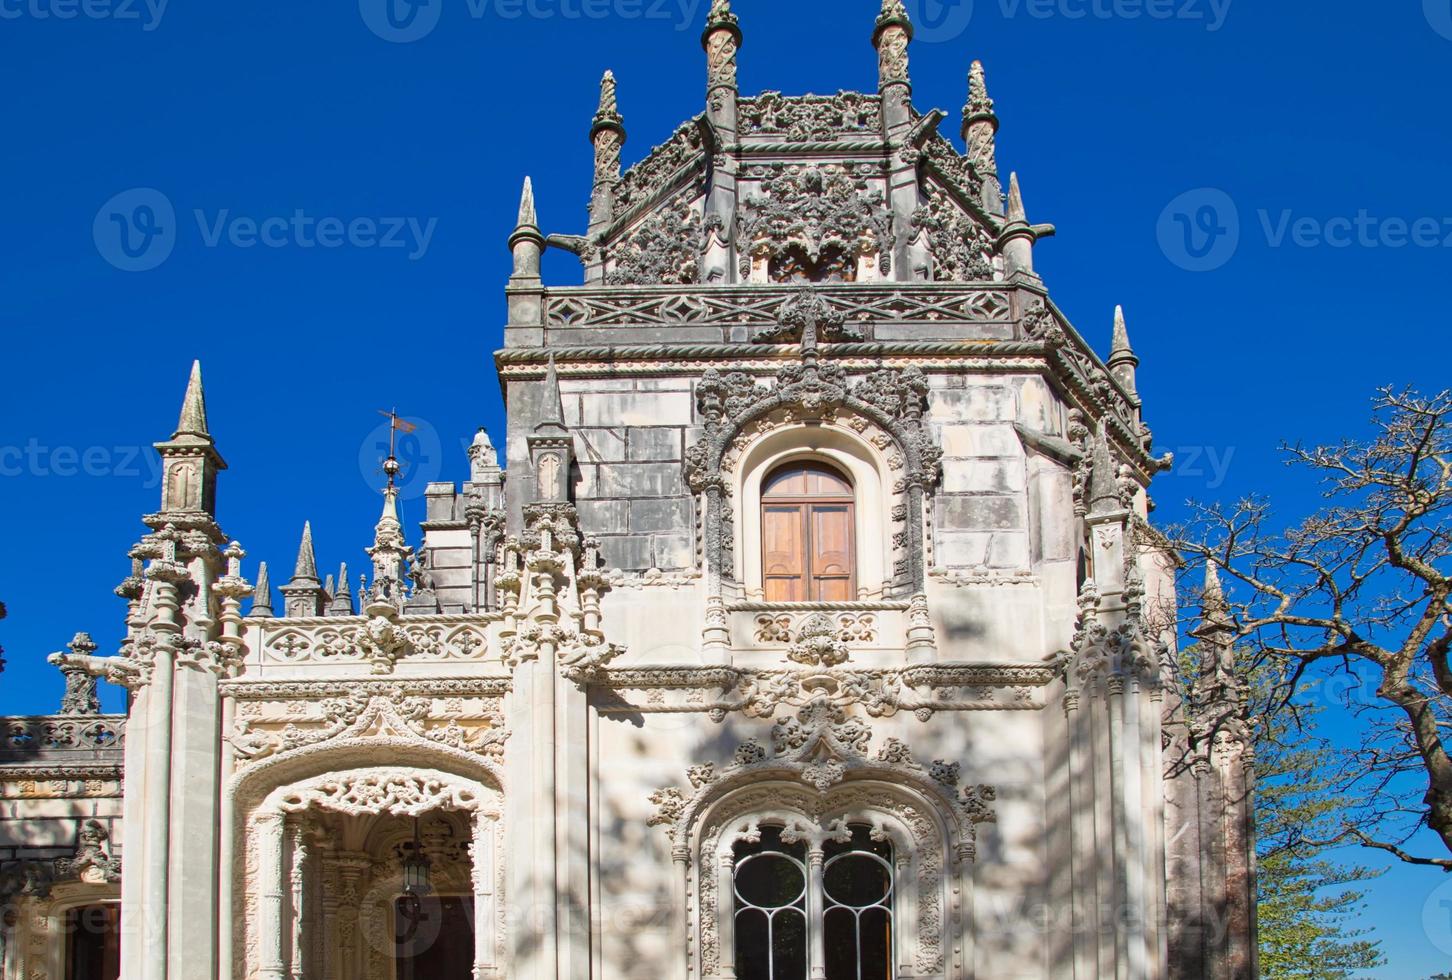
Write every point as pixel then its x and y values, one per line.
pixel 1147 130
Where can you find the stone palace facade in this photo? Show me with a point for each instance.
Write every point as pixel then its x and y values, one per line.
pixel 813 629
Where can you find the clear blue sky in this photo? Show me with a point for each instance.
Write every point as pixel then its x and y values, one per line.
pixel 1291 109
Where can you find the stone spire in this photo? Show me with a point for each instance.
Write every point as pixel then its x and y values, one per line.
pixel 193 421
pixel 390 554
pixel 722 40
pixel 262 599
pixel 342 601
pixel 1122 359
pixel 527 242
pixel 1016 240
pixel 607 134
pixel 190 461
pixel 303 596
pixel 1103 477
pixel 551 448
pixel 980 132
pixel 891 37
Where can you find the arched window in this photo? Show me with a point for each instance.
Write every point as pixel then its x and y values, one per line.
pixel 808 525
pixel 789 918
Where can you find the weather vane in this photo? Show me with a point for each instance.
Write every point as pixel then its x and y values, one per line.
pixel 391 466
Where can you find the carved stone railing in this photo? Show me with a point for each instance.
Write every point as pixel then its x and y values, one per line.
pixel 316 641
pixel 60 739
pixel 759 306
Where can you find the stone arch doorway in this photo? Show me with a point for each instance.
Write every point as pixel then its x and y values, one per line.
pixel 324 875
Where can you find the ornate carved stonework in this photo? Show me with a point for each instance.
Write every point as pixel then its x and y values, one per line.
pixel 811 118
pixel 814 222
pixel 962 249
pixel 662 170
pixel 664 249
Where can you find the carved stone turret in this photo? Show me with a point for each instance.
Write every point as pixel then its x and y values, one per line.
pixel 551 448
pixel 190 461
pixel 607 135
pixel 303 596
pixel 891 37
pixel 980 129
pixel 1122 359
pixel 80 697
pixel 1017 239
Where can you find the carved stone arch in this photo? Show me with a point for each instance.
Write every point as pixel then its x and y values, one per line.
pixel 916 823
pixel 262 796
pixel 891 400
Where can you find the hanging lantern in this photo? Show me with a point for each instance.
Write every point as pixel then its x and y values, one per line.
pixel 416 869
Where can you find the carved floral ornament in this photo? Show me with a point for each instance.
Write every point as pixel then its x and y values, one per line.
pixel 91 863
pixel 821 222
pixel 359 715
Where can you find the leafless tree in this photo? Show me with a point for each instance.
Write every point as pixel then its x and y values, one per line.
pixel 1358 594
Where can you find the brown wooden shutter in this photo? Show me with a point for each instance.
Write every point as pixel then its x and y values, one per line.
pixel 832 558
pixel 784 550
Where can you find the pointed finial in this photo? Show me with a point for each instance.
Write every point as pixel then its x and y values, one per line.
pixel 721 17
pixel 552 404
pixel 608 116
pixel 1103 482
pixel 307 562
pixel 343 588
pixel 193 421
pixel 1016 211
pixel 980 105
pixel 893 12
pixel 528 218
pixel 1122 359
pixel 262 595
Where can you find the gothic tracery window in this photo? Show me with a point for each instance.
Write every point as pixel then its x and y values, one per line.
pixel 796 906
pixel 808 520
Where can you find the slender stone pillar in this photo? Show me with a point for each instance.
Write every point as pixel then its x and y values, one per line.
pixel 482 857
pixel 271 870
pixel 680 887
pixel 815 892
pixel 725 912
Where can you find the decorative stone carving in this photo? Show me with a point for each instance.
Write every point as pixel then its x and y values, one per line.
pixel 663 169
pixel 811 118
pixel 734 408
pixel 92 862
pixel 359 715
pixel 759 306
pixel 818 643
pixel 376 640
pixel 961 248
pixel 814 222
pixel 664 249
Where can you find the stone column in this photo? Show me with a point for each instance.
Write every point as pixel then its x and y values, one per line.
pixel 725 912
pixel 482 857
pixel 157 775
pixel 1081 833
pixel 297 891
pixel 816 890
pixel 269 830
pixel 680 886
